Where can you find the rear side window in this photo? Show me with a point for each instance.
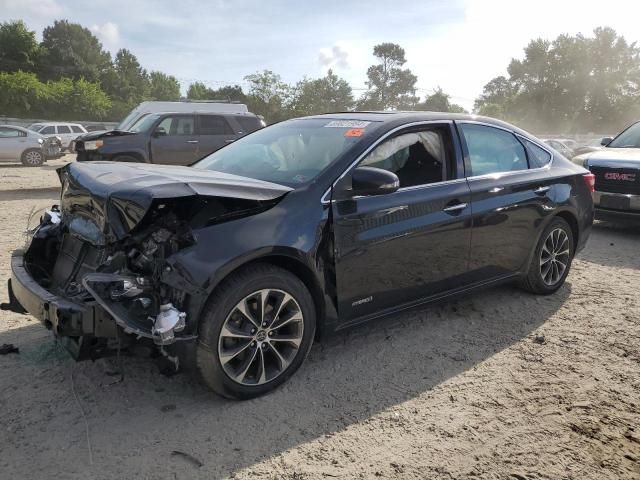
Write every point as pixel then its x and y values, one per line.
pixel 63 129
pixel 76 129
pixel 48 130
pixel 538 157
pixel 492 150
pixel 248 124
pixel 214 125
pixel 11 132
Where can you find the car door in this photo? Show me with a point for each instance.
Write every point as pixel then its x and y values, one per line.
pixel 12 143
pixel 214 132
pixel 64 132
pixel 404 246
pixel 174 140
pixel 509 197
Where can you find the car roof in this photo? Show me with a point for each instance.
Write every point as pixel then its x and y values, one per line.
pixel 203 112
pixel 53 124
pixel 16 127
pixel 418 116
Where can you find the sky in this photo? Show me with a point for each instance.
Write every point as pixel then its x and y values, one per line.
pixel 458 45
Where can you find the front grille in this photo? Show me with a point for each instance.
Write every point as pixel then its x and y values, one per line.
pixel 618 185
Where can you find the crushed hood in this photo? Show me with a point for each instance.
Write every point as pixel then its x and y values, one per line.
pixel 614 158
pixel 117 196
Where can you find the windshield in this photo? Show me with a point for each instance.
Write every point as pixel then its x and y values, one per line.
pixel 289 153
pixel 630 138
pixel 144 123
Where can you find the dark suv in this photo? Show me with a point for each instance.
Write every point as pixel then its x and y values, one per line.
pixel 167 138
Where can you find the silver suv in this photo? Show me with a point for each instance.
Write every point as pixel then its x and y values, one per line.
pixel 67 132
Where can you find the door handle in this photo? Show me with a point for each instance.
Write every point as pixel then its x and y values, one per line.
pixel 455 208
pixel 192 141
pixel 496 189
pixel 541 190
pixel 230 140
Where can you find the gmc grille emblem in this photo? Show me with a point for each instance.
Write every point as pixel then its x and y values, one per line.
pixel 625 177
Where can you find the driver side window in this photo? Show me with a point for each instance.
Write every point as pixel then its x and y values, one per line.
pixel 417 158
pixel 177 126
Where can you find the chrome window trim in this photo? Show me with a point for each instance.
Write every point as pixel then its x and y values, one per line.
pixel 498 175
pixel 325 201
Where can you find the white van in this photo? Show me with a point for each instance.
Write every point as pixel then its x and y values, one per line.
pixel 183 106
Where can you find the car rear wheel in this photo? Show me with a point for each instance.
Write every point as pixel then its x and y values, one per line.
pixel 256 331
pixel 552 258
pixel 32 158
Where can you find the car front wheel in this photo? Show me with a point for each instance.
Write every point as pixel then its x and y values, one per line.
pixel 32 158
pixel 551 259
pixel 256 331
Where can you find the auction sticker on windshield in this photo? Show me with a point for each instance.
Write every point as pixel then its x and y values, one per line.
pixel 347 124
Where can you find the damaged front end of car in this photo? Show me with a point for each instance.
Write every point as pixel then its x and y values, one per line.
pixel 97 268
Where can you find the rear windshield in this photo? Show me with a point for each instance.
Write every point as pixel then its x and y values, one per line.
pixel 289 153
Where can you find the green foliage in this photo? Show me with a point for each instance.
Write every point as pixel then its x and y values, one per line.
pixel 199 91
pixel 70 50
pixel 390 86
pixel 439 101
pixel 322 95
pixel 127 83
pixel 163 87
pixel 18 47
pixel 569 84
pixel 268 96
pixel 22 94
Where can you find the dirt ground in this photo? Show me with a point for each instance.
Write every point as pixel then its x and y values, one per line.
pixel 501 384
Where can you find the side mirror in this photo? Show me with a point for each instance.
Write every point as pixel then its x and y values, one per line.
pixel 159 132
pixel 373 181
pixel 606 141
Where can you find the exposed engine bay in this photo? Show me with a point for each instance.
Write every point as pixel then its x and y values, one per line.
pixel 102 257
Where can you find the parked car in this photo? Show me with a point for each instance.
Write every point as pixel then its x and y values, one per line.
pixel 305 227
pixel 592 146
pixel 19 144
pixel 67 132
pixel 616 167
pixel 559 146
pixel 181 106
pixel 167 138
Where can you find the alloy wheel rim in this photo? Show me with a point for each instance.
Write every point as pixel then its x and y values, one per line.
pixel 261 337
pixel 554 256
pixel 33 158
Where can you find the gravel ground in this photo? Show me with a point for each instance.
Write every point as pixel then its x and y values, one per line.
pixel 501 384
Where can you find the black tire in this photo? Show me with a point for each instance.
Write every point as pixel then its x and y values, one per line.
pixel 126 158
pixel 32 157
pixel 220 306
pixel 534 281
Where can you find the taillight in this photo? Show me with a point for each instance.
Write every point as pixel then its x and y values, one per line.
pixel 590 180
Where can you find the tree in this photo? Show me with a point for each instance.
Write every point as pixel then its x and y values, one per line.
pixel 322 95
pixel 438 101
pixel 268 95
pixel 18 47
pixel 163 87
pixel 21 94
pixel 79 99
pixel 70 50
pixel 127 84
pixel 390 86
pixel 199 91
pixel 573 83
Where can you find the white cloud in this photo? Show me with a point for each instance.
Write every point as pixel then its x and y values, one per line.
pixel 336 56
pixel 108 33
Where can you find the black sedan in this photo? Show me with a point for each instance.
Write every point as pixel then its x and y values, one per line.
pixel 306 227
